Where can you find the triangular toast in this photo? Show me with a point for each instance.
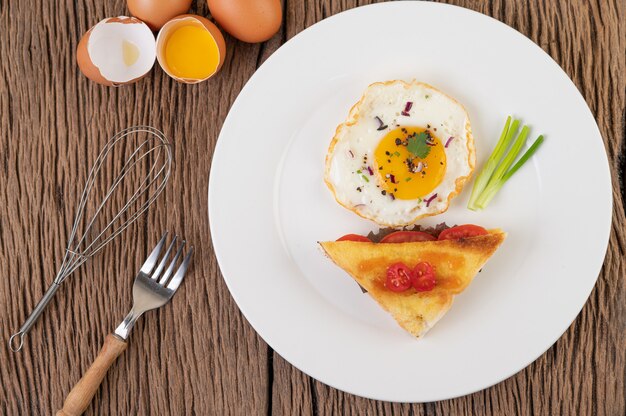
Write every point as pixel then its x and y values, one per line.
pixel 456 263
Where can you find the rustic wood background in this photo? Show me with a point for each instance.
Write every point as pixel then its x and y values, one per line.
pixel 198 355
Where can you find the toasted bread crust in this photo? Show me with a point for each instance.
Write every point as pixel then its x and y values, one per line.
pixel 456 263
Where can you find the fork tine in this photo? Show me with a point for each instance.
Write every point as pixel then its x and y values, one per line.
pixel 168 272
pixel 180 273
pixel 157 272
pixel 154 256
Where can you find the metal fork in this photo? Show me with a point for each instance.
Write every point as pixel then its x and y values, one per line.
pixel 154 286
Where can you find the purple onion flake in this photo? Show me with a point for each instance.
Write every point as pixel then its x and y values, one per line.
pixel 392 178
pixel 370 171
pixel 448 142
pixel 407 108
pixel 429 200
pixel 381 124
pixel 393 197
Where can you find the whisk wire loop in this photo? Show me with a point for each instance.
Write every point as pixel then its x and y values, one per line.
pixel 145 171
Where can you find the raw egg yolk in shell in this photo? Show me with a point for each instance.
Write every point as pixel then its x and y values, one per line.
pixel 191 52
pixel 411 162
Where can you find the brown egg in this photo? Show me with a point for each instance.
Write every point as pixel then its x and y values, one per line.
pixel 157 12
pixel 116 51
pixel 248 20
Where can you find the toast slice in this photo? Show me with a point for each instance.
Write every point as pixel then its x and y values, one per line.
pixel 456 262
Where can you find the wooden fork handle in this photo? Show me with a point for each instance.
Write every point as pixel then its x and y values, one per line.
pixel 79 398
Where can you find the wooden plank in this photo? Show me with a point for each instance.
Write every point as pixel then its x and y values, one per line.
pixel 199 355
pixel 196 354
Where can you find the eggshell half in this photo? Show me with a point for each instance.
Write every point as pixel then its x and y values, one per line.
pixel 97 48
pixel 185 20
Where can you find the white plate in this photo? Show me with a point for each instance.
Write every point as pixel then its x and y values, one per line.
pixel 268 205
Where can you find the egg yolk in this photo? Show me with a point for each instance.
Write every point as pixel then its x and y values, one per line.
pixel 411 162
pixel 191 52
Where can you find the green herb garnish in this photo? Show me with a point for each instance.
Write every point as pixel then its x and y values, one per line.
pixel 407 179
pixel 365 178
pixel 417 145
pixel 497 170
pixel 396 153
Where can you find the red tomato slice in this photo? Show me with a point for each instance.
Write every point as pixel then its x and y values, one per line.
pixel 462 231
pixel 355 237
pixel 398 277
pixel 406 237
pixel 423 278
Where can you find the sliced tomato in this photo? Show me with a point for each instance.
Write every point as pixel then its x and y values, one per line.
pixel 398 277
pixel 462 231
pixel 406 237
pixel 423 277
pixel 355 237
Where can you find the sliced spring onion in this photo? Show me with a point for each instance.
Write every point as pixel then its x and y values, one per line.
pixel 527 155
pixel 510 156
pixel 492 163
pixel 492 190
pixel 497 170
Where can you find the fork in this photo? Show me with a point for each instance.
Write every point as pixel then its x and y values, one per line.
pixel 153 288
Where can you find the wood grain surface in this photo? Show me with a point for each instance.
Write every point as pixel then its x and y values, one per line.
pixel 198 356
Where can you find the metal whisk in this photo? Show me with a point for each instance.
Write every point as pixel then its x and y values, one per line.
pixel 136 177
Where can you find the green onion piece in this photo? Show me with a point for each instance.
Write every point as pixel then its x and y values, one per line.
pixel 488 194
pixel 492 163
pixel 527 155
pixel 511 155
pixel 492 187
pixel 491 191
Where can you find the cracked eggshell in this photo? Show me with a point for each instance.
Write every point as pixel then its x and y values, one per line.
pixel 117 51
pixel 186 20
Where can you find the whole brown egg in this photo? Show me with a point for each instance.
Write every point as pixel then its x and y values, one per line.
pixel 155 13
pixel 248 20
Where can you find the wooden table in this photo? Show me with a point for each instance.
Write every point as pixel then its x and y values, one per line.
pixel 198 355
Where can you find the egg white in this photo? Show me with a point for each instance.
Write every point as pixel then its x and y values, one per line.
pixel 358 137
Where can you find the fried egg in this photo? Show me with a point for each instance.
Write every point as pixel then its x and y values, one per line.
pixel 404 152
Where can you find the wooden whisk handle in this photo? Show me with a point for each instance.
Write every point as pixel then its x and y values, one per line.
pixel 79 398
